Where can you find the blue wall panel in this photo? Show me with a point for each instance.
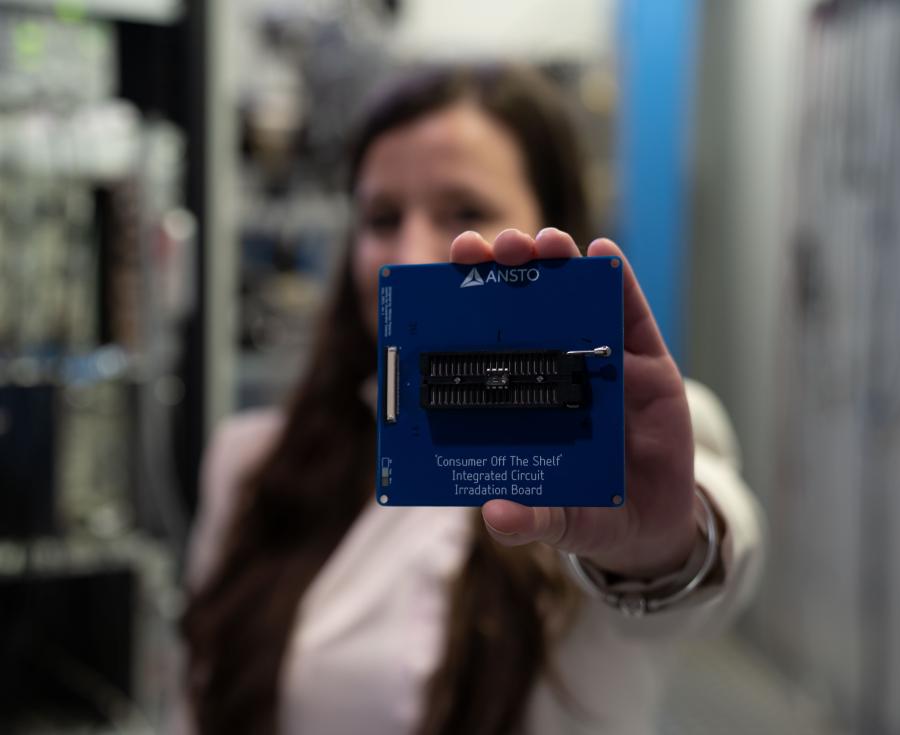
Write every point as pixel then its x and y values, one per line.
pixel 657 40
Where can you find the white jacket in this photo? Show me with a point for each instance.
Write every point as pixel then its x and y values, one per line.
pixel 370 629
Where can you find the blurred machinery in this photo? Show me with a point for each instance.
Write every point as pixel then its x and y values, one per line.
pixel 835 613
pixel 796 324
pixel 97 277
pixel 304 68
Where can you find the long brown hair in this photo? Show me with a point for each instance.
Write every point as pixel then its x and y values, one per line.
pixel 295 507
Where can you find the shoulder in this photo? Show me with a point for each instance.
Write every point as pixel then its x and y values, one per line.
pixel 238 444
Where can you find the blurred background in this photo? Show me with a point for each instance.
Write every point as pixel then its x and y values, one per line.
pixel 171 207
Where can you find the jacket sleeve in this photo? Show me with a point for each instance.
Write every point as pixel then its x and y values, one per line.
pixel 717 472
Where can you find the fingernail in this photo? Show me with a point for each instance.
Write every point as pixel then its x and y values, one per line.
pixel 547 229
pixel 511 229
pixel 467 233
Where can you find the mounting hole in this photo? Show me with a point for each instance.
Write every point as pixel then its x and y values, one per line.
pixel 383 499
pixel 615 262
pixel 385 272
pixel 617 499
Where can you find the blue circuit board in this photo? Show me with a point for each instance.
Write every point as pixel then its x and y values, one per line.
pixel 501 382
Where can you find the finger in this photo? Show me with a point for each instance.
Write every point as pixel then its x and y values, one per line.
pixel 512 524
pixel 553 243
pixel 513 247
pixel 642 336
pixel 470 248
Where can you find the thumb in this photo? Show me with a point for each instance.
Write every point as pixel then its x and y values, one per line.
pixel 513 524
pixel 642 335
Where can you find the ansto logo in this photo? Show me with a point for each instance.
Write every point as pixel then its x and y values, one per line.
pixel 500 275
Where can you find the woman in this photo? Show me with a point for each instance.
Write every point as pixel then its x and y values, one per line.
pixel 314 610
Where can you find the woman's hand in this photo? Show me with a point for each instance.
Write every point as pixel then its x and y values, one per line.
pixel 654 532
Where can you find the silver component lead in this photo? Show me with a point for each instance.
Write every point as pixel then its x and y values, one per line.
pixel 604 351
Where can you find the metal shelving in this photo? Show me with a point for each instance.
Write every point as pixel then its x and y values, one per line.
pixel 97 278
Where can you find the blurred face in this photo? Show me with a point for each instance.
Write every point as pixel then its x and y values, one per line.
pixel 422 184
